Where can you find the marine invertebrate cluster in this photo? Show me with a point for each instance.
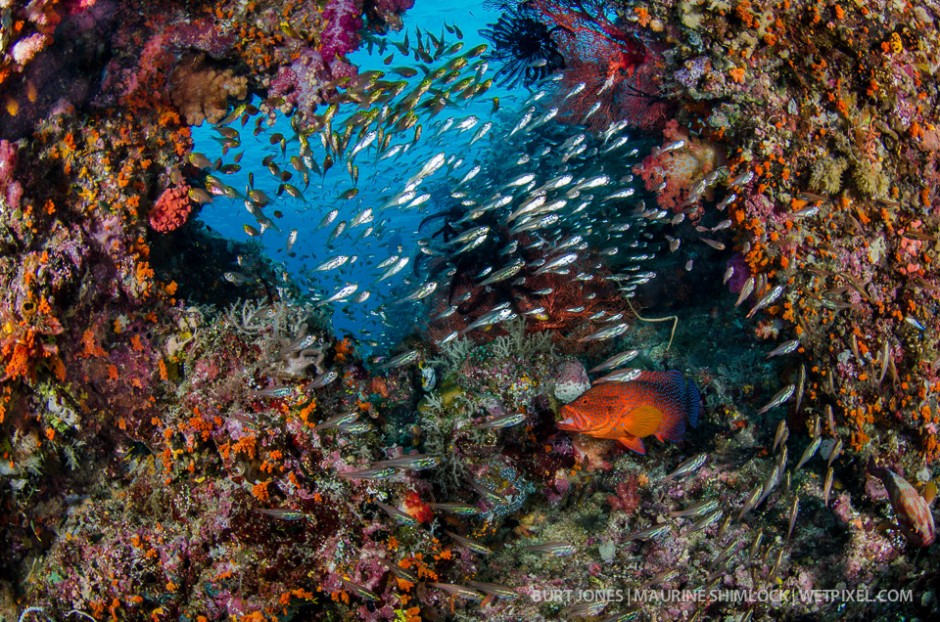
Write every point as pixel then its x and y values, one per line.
pixel 171 210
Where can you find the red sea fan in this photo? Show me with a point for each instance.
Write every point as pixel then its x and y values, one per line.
pixel 618 69
pixel 171 209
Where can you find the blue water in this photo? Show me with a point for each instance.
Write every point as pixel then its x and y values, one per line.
pixel 381 319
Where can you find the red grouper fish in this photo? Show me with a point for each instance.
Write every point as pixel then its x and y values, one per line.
pixel 657 403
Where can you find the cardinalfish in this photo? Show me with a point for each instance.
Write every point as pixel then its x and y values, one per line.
pixel 655 403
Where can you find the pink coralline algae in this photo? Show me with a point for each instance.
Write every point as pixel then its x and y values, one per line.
pixel 171 209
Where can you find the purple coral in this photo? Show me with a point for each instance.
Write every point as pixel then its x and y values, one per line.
pixel 341 34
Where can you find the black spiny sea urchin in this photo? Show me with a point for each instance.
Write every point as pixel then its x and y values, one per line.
pixel 524 45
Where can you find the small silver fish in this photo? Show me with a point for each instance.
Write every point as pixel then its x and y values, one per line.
pixel 835 451
pixel 767 300
pixel 422 292
pixel 343 293
pixel 707 521
pixel 784 348
pixel 359 590
pixel 472 545
pixel 809 452
pixel 506 421
pixel 686 467
pixel 696 510
pixel 751 502
pixel 494 589
pixel 794 509
pixel 653 533
pixel 781 436
pixel 324 379
pixel 827 486
pixel 606 333
pixel 782 396
pixel 746 290
pixel 411 462
pixel 616 361
pixel 336 421
pixel 400 360
pixel 554 549
pixel 402 517
pixel 727 276
pixel 331 263
pixel 369 474
pixel 458 591
pixel 397 267
pixel 460 509
pixel 624 375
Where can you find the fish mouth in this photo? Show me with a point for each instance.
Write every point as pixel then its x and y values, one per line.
pixel 569 424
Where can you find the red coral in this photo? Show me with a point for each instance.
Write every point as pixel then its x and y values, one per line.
pixel 171 210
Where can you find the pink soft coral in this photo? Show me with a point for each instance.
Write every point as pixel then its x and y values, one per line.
pixel 672 172
pixel 340 36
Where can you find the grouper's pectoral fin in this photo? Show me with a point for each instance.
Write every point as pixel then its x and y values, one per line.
pixel 634 443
